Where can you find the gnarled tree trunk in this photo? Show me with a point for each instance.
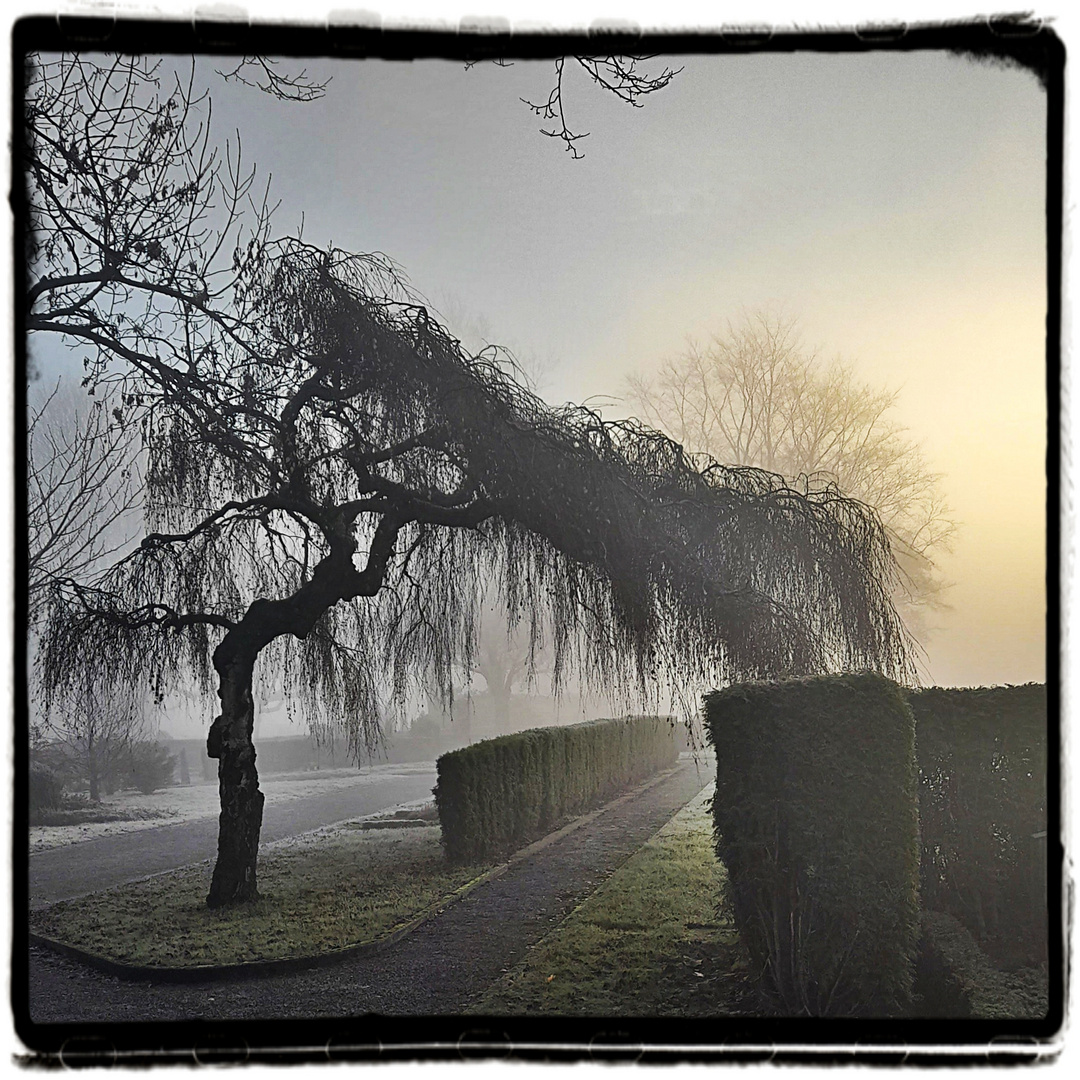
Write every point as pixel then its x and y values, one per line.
pixel 229 739
pixel 240 822
pixel 92 769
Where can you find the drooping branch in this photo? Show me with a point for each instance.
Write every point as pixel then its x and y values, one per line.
pixel 618 75
pixel 83 489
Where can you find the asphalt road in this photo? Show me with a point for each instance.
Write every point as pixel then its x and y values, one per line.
pixel 92 865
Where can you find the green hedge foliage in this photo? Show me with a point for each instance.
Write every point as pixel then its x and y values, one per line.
pixel 496 794
pixel 982 806
pixel 816 822
pixel 955 978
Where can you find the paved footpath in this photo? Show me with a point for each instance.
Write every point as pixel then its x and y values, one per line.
pixel 439 968
pixel 93 865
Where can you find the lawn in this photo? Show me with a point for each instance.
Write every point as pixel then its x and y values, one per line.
pixel 321 892
pixel 650 941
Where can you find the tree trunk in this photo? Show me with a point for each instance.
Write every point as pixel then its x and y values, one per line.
pixel 230 737
pixel 92 770
pixel 499 695
pixel 229 740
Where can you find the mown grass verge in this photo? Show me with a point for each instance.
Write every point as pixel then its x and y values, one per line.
pixel 650 941
pixel 331 890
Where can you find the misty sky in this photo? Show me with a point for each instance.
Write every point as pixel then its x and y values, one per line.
pixel 892 203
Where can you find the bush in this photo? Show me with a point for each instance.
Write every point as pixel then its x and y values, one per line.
pixel 496 794
pixel 46 791
pixel 955 978
pixel 816 821
pixel 151 767
pixel 982 806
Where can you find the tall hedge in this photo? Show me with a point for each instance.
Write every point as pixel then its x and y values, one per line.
pixel 816 822
pixel 496 794
pixel 982 804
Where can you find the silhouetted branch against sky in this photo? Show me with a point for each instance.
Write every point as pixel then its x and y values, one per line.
pixel 266 74
pixel 619 75
pixel 84 490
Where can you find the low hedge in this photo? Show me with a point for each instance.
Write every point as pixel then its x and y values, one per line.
pixel 815 819
pixel 982 806
pixel 494 795
pixel 956 979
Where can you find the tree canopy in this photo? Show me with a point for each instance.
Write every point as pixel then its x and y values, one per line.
pixel 756 395
pixel 332 480
pixel 354 423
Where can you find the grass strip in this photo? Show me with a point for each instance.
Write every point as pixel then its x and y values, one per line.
pixel 651 940
pixel 319 893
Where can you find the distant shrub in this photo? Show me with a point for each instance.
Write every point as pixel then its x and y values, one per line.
pixel 816 823
pixel 151 767
pixel 60 759
pixel 982 806
pixel 425 727
pixel 292 753
pixel 46 791
pixel 496 794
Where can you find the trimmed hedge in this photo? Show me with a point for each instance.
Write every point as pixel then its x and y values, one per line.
pixel 982 805
pixel 816 822
pixel 496 794
pixel 955 978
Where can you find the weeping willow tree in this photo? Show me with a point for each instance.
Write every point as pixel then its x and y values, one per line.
pixel 332 482
pixel 329 491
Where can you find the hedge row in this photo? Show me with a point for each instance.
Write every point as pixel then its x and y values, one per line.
pixel 982 807
pixel 816 822
pixel 496 794
pixel 955 978
pixel 817 810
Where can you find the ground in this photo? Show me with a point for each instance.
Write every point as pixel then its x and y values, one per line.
pixel 440 968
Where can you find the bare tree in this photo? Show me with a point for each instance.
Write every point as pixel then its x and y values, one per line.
pixel 331 478
pixel 506 657
pixel 83 489
pixel 99 727
pixel 756 396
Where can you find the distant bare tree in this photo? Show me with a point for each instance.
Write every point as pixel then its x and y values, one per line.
pixel 755 396
pixel 507 657
pixel 99 727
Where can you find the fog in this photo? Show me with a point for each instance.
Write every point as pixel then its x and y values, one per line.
pixel 892 203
